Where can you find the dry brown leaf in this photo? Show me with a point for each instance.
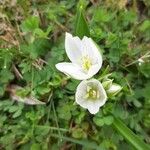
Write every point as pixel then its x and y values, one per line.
pixel 30 100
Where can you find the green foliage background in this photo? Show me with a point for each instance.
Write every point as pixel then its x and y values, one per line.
pixel 32 41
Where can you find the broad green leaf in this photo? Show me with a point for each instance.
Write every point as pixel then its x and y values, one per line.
pixel 145 26
pixel 6 75
pixel 30 24
pixel 35 146
pixel 145 69
pixel 98 121
pixel 108 120
pixel 129 135
pixel 101 15
pixel 81 27
pixel 78 133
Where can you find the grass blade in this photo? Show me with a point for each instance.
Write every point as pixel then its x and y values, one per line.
pixel 81 27
pixel 84 143
pixel 129 135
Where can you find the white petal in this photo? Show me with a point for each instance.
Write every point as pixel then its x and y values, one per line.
pixel 92 50
pixel 81 89
pixel 73 46
pixel 115 87
pixel 93 109
pixel 103 96
pixel 80 94
pixel 93 70
pixel 72 70
pixel 92 105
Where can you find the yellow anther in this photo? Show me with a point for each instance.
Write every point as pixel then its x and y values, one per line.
pixel 86 63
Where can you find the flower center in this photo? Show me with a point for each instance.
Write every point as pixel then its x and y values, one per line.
pixel 86 63
pixel 92 93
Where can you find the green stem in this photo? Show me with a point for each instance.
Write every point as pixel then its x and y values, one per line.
pixel 53 128
pixel 87 144
pixel 56 119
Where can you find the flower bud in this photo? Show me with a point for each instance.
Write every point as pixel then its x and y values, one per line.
pixel 114 89
pixel 107 84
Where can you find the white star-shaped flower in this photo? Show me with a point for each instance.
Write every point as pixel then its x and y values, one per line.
pixel 91 95
pixel 86 60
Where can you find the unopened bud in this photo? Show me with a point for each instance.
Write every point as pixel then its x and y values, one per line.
pixel 107 84
pixel 114 89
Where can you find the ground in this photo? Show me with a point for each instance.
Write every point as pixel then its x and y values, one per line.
pixel 32 35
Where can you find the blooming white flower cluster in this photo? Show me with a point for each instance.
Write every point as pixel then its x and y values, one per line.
pixel 86 61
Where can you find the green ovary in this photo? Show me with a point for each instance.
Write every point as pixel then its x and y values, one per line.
pixel 92 93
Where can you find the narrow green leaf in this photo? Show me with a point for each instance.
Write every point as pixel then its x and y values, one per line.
pixel 85 143
pixel 81 26
pixel 129 135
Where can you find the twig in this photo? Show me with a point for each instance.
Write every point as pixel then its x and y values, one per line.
pixel 17 73
pixel 144 56
pixel 61 26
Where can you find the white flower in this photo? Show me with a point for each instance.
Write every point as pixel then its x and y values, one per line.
pixel 84 55
pixel 114 89
pixel 91 95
